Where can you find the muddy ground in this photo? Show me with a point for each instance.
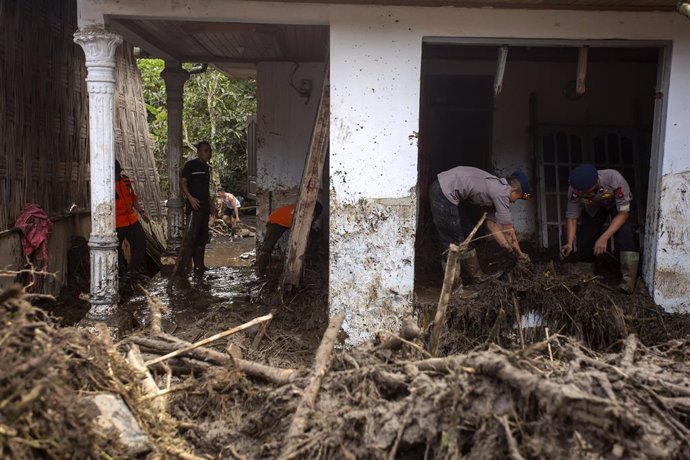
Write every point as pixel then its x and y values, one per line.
pixel 612 380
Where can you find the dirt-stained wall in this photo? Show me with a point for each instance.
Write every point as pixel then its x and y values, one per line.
pixel 672 275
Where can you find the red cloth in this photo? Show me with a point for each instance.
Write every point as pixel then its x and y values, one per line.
pixel 35 228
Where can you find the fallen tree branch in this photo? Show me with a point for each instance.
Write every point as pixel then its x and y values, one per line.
pixel 205 357
pixel 211 339
pixel 322 362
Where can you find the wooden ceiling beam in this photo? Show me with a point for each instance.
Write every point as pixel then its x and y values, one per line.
pixel 631 5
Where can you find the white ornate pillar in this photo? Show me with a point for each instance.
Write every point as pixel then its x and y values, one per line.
pixel 175 77
pixel 99 48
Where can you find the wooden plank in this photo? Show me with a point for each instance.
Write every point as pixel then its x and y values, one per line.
pixel 582 70
pixel 309 188
pixel 500 69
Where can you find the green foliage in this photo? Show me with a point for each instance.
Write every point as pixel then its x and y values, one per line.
pixel 215 110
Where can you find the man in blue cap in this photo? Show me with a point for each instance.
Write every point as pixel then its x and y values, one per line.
pixel 602 193
pixel 456 201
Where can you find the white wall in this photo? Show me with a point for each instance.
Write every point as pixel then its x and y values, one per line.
pixel 611 89
pixel 375 61
pixel 284 127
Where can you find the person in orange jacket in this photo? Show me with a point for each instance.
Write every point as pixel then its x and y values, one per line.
pixel 127 222
pixel 279 221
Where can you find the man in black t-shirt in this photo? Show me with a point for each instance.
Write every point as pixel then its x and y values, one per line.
pixel 195 180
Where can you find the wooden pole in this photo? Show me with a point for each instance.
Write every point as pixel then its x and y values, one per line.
pixel 449 276
pixel 309 189
pixel 451 268
pixel 500 69
pixel 582 70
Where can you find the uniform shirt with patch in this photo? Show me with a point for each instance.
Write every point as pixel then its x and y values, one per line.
pixel 198 175
pixel 613 191
pixel 466 184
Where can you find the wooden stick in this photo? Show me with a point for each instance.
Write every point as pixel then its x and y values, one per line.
pixel 548 343
pixel 211 339
pixel 449 276
pixel 322 362
pixel 582 70
pixel 518 318
pixel 451 268
pixel 500 69
pixel 465 244
pixel 260 334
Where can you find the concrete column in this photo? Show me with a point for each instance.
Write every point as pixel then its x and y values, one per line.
pixel 175 77
pixel 99 48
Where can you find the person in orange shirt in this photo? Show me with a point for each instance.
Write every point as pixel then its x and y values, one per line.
pixel 279 221
pixel 127 222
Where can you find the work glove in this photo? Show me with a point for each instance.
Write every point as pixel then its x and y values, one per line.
pixel 509 255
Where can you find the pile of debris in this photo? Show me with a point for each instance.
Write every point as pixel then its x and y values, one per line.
pixel 515 309
pixel 551 398
pixel 64 391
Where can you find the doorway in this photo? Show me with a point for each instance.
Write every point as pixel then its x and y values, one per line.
pixel 537 123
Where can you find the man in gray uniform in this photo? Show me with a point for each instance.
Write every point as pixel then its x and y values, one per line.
pixel 602 193
pixel 456 201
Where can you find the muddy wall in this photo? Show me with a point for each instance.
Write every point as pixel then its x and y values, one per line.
pixel 284 126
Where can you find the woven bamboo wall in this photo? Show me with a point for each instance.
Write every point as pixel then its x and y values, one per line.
pixel 132 141
pixel 43 109
pixel 44 114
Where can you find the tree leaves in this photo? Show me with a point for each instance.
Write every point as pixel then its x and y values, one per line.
pixel 215 110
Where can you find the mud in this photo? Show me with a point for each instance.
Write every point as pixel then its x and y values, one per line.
pixel 567 298
pixel 612 381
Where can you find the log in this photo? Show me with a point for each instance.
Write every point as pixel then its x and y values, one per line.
pixel 322 362
pixel 206 356
pixel 309 189
pixel 148 384
pixel 211 339
pixel 156 309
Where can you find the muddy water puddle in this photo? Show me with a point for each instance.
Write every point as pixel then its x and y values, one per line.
pixel 213 301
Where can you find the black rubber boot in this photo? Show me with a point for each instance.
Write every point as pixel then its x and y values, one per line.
pixel 470 263
pixel 198 257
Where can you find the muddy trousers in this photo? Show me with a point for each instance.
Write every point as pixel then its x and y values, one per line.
pixel 592 228
pixel 137 243
pixel 453 223
pixel 273 234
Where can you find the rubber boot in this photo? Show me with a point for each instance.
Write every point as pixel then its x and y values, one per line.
pixel 198 257
pixel 458 290
pixel 470 263
pixel 630 261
